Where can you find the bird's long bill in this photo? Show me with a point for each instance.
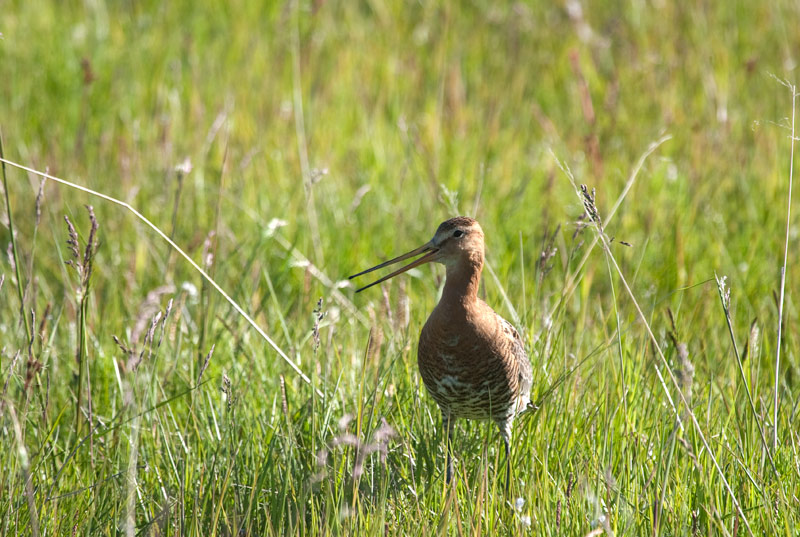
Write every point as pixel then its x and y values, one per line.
pixel 428 249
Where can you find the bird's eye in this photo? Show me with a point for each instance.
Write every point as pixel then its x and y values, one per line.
pixel 458 233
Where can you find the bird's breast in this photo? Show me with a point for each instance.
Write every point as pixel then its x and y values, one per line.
pixel 463 367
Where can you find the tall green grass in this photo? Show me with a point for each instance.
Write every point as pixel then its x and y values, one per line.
pixel 284 146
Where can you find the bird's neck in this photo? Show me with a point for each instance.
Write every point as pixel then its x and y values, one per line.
pixel 463 281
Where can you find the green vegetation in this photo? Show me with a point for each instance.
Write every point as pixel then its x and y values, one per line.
pixel 285 146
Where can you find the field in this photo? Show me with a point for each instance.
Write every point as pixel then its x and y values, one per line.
pixel 284 146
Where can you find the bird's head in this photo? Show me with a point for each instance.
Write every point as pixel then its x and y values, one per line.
pixel 458 241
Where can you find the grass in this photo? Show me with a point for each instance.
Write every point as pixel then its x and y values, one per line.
pixel 285 146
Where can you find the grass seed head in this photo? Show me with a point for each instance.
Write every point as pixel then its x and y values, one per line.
pixel 319 314
pixel 548 252
pixel 82 263
pixel 590 206
pixel 39 199
pixel 72 241
pixel 227 390
pixel 205 362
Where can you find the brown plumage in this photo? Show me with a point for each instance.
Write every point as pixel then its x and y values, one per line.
pixel 472 361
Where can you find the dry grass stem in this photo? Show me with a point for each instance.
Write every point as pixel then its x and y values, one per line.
pixel 793 91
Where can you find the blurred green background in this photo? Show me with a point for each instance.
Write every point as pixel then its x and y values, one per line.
pixel 287 145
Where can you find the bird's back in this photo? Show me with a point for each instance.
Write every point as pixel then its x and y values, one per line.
pixel 473 363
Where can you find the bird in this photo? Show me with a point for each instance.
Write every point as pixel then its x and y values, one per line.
pixel 472 361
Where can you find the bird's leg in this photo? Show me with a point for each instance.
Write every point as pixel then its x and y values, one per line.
pixel 447 426
pixel 508 463
pixel 505 433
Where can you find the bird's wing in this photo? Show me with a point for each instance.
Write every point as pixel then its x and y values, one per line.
pixel 520 362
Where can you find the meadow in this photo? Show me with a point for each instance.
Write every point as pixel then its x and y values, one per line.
pixel 286 145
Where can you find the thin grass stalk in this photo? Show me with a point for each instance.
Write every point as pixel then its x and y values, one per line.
pixel 183 254
pixel 24 459
pixel 506 301
pixel 213 246
pixel 300 132
pixel 619 343
pixel 133 460
pixel 83 266
pixel 224 489
pixel 359 420
pixel 81 337
pixel 522 276
pixel 17 260
pixel 792 88
pixel 205 301
pixel 37 220
pixel 660 501
pixel 725 300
